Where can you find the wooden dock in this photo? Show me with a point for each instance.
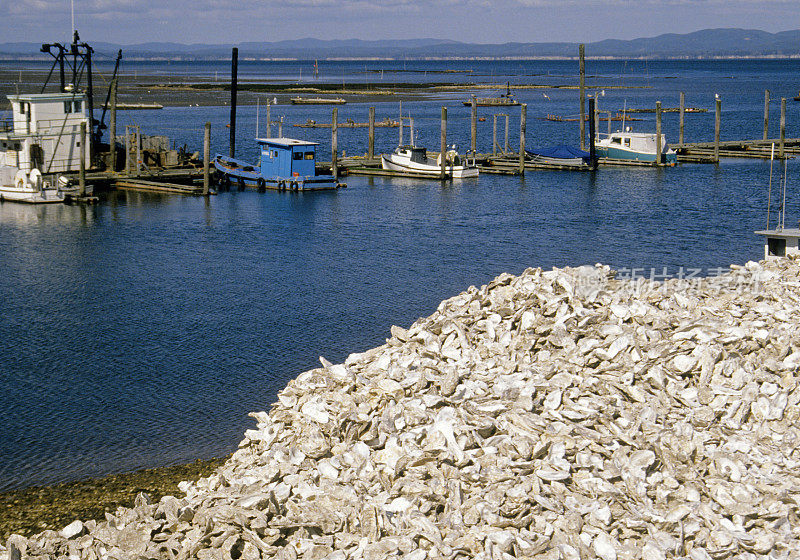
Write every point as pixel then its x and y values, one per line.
pixel 136 184
pixel 703 152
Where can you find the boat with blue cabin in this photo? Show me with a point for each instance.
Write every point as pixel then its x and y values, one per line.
pixel 285 164
pixel 634 146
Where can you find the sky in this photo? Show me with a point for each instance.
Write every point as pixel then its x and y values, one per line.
pixel 475 21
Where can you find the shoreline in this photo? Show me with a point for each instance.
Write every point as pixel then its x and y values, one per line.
pixel 31 510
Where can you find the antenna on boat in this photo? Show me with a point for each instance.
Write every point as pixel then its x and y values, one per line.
pixel 72 10
pixel 258 108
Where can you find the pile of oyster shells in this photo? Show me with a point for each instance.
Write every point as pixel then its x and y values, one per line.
pixel 564 414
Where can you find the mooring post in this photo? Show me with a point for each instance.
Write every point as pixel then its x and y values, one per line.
pixel 581 53
pixel 82 176
pixel 474 126
pixel 783 127
pixel 596 117
pixel 112 128
pixel 206 158
pixel 269 120
pixel 766 113
pixel 717 125
pixel 494 136
pixel 443 159
pixel 371 153
pixel 523 116
pixel 592 125
pixel 334 141
pixel 506 149
pixel 682 111
pixel 658 133
pixel 234 86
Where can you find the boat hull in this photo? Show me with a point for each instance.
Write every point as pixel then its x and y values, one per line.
pixel 389 163
pixel 614 152
pixel 237 172
pixel 31 196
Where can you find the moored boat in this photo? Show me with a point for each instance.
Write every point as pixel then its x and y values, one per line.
pixel 285 164
pixel 560 155
pixel 504 99
pixel 318 101
pixel 17 185
pixel 414 160
pixel 634 146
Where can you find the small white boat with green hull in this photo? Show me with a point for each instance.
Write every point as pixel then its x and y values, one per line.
pixel 634 146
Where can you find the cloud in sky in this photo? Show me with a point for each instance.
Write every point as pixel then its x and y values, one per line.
pixel 482 21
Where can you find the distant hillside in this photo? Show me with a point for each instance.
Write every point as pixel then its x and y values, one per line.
pixel 708 43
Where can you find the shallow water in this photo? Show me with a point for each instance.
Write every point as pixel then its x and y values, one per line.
pixel 141 331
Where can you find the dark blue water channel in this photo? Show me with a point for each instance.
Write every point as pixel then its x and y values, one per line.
pixel 141 331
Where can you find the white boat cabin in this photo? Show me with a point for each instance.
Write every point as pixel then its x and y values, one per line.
pixel 45 132
pixel 780 242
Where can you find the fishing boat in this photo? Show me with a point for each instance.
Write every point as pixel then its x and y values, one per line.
pixel 414 160
pixel 797 97
pixel 17 185
pixel 563 155
pixel 285 164
pixel 633 146
pixel 504 99
pixel 318 101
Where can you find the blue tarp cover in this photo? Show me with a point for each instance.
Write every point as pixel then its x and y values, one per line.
pixel 563 152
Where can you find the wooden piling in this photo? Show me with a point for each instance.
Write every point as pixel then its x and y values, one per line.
pixel 494 135
pixel 506 148
pixel 523 117
pixel 112 127
pixel 82 175
pixel 234 86
pixel 581 53
pixel 766 113
pixel 682 112
pixel 717 125
pixel 334 142
pixel 592 133
pixel 596 118
pixel 474 127
pixel 783 128
pixel 658 133
pixel 443 162
pixel 371 152
pixel 206 158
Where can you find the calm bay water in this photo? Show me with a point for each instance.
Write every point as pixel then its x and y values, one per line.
pixel 141 331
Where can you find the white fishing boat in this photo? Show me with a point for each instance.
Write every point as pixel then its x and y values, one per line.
pixel 415 160
pixel 18 185
pixel 633 146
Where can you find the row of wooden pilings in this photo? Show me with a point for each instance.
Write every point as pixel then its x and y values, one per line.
pixel 682 112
